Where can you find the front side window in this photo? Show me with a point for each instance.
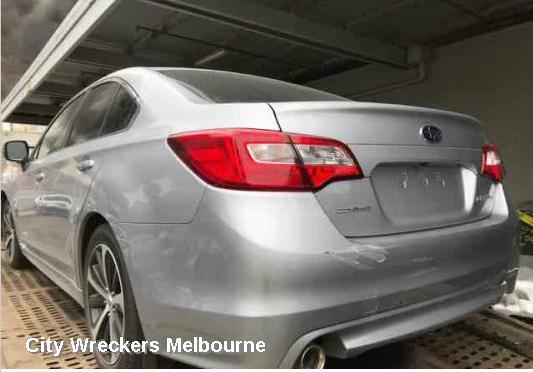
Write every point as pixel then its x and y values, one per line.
pixel 88 122
pixel 54 138
pixel 120 113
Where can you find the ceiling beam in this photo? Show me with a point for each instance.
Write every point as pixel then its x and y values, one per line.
pixel 100 58
pixel 81 19
pixel 498 19
pixel 290 28
pixel 37 109
pixel 88 55
pixel 227 48
pixel 21 118
pixel 137 56
pixel 57 90
pixel 168 22
pixel 467 10
pixel 379 11
pixel 32 113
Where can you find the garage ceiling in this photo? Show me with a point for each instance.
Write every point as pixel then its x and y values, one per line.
pixel 292 40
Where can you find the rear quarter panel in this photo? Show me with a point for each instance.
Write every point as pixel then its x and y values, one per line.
pixel 140 180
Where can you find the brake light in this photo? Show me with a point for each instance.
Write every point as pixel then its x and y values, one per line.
pixel 249 159
pixel 491 164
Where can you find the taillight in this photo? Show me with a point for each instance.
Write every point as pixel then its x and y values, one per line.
pixel 491 164
pixel 249 159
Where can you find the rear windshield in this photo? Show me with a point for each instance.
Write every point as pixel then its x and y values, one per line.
pixel 228 87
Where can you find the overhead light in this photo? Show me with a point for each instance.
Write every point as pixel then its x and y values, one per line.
pixel 211 57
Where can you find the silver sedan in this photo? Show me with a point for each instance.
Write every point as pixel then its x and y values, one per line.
pixel 183 203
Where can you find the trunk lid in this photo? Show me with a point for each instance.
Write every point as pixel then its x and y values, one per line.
pixel 410 184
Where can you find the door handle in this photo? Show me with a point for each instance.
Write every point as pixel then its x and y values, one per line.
pixel 39 177
pixel 85 165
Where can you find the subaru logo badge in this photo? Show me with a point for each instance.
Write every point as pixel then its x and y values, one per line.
pixel 431 133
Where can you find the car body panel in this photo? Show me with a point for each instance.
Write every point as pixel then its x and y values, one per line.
pixel 22 192
pixel 377 123
pixel 375 206
pixel 60 201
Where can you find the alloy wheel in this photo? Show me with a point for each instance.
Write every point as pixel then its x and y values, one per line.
pixel 105 299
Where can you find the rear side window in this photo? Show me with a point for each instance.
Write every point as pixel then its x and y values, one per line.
pixel 54 138
pixel 120 113
pixel 88 122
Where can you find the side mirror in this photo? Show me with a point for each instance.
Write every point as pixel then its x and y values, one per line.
pixel 16 151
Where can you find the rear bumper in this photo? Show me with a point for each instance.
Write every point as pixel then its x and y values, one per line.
pixel 349 339
pixel 268 267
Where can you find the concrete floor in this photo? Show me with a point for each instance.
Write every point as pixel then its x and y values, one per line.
pixel 32 306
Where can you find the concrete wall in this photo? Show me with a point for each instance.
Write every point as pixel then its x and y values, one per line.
pixel 488 76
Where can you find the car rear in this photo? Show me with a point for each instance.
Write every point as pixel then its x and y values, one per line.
pixel 348 225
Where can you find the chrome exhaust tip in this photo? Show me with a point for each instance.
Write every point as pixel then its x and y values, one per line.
pixel 313 357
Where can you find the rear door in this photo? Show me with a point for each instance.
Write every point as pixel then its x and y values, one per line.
pixel 28 188
pixel 410 183
pixel 69 176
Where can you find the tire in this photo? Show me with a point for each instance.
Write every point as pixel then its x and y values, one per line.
pixel 10 244
pixel 104 247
